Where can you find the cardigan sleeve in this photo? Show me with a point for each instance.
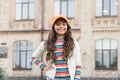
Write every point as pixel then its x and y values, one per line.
pixel 78 64
pixel 37 54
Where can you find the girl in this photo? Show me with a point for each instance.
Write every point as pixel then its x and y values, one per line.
pixel 61 53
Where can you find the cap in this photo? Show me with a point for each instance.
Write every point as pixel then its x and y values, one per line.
pixel 57 17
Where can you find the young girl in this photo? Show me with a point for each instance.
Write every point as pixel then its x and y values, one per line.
pixel 60 53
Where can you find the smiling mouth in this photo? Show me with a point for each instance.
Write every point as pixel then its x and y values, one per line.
pixel 61 30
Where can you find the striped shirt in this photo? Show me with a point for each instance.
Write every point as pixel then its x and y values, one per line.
pixel 60 63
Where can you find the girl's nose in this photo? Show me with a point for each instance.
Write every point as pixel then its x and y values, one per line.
pixel 61 25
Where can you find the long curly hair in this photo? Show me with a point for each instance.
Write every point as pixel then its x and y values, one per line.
pixel 68 45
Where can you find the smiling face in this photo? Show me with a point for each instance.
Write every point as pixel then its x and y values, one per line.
pixel 60 27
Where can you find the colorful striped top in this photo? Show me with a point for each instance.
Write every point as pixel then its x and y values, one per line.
pixel 60 63
pixel 37 62
pixel 77 73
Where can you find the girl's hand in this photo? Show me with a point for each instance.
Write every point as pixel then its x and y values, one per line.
pixel 47 67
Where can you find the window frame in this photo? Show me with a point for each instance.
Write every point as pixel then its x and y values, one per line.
pixel 102 55
pixel 26 53
pixel 22 9
pixel 102 13
pixel 67 8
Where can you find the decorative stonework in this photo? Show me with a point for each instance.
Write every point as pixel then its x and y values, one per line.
pixel 24 25
pixel 102 73
pixel 105 22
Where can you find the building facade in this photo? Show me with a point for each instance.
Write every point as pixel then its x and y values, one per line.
pixel 95 25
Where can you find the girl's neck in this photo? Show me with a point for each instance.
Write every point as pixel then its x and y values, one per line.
pixel 60 37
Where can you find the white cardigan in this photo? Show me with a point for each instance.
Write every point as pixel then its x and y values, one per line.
pixel 74 61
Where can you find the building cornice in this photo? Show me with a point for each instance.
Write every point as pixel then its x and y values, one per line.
pixel 104 29
pixel 5 31
pixel 39 30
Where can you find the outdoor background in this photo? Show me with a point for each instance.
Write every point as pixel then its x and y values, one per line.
pixel 95 25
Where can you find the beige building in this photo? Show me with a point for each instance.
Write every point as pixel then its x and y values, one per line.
pixel 95 25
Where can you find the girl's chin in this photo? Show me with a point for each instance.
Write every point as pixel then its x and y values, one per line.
pixel 61 34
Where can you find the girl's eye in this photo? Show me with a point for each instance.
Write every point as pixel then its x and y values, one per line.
pixel 64 24
pixel 59 24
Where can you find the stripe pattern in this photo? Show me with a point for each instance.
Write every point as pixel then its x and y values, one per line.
pixel 60 63
pixel 38 63
pixel 77 73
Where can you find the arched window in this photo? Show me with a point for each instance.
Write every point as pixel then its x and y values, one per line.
pixel 106 54
pixel 22 54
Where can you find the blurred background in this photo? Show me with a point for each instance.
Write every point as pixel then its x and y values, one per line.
pixel 95 25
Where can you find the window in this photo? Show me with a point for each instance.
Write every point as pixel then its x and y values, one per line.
pixel 24 9
pixel 3 52
pixel 106 8
pixel 106 54
pixel 64 7
pixel 22 55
